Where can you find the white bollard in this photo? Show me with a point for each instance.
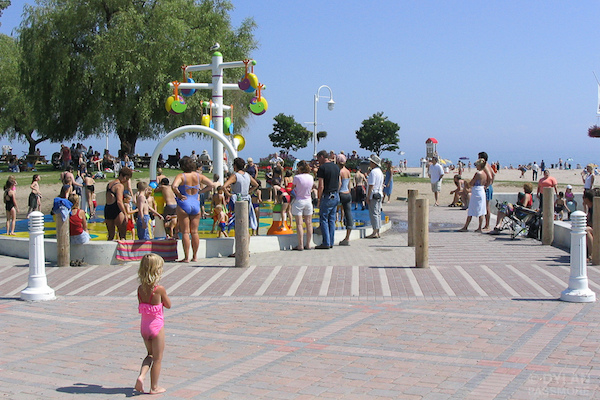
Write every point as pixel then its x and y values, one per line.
pixel 37 287
pixel 578 290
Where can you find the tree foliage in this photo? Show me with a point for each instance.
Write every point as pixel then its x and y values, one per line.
pixel 289 134
pixel 16 113
pixel 95 62
pixel 377 134
pixel 4 4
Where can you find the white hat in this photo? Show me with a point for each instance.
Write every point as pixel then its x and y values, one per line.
pixel 250 159
pixel 375 160
pixel 569 187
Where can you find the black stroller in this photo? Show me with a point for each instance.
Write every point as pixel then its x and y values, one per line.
pixel 55 160
pixel 521 221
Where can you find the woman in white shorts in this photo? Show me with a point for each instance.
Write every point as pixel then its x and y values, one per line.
pixel 302 208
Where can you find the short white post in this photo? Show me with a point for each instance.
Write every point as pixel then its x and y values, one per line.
pixel 578 290
pixel 37 286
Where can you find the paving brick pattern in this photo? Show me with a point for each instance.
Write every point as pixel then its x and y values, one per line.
pixel 353 322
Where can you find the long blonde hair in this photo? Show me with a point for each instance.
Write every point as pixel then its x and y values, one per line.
pixel 151 269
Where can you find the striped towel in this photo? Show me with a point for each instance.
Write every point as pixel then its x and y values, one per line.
pixel 133 250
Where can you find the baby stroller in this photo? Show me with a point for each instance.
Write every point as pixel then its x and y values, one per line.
pixel 55 160
pixel 521 221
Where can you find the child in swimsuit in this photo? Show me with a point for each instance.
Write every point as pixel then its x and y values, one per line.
pixel 152 298
pixel 256 200
pixel 217 199
pixel 10 202
pixel 221 218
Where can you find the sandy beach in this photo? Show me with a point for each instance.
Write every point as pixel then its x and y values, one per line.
pixel 507 181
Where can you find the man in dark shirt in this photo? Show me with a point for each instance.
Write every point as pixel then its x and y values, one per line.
pixel 251 168
pixel 329 197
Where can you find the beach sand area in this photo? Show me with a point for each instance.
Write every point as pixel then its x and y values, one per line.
pixel 507 181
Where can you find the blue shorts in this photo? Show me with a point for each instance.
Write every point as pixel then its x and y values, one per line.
pixel 142 228
pixel 489 193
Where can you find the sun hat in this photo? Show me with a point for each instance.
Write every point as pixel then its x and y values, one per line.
pixel 569 187
pixel 341 159
pixel 250 159
pixel 375 160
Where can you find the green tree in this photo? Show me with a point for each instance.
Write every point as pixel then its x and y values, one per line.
pixel 99 62
pixel 16 113
pixel 289 134
pixel 3 5
pixel 377 134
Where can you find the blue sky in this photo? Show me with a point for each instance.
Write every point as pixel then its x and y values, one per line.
pixel 513 78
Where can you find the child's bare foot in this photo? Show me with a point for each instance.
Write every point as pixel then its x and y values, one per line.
pixel 139 385
pixel 158 390
pixel 185 260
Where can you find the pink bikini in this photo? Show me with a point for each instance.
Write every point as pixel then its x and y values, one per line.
pixel 152 317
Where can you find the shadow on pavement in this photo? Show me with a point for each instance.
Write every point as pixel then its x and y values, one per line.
pixel 84 388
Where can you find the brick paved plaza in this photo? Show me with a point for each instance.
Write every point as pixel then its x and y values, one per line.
pixel 352 322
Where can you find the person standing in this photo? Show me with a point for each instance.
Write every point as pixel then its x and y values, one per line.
pixel 375 195
pixel 534 170
pixel 302 208
pixel 115 215
pixel 328 198
pixel 251 168
pixel 489 189
pixel 587 176
pixel 186 187
pixel 35 197
pixel 345 198
pixel 10 203
pixel 388 182
pixel 152 298
pixel 477 204
pixel 546 181
pixel 436 173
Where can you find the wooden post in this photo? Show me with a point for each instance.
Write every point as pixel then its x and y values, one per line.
pixel 412 198
pixel 548 216
pixel 63 243
pixel 595 250
pixel 242 236
pixel 422 233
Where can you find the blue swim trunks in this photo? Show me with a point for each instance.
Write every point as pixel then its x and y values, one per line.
pixel 142 228
pixel 489 192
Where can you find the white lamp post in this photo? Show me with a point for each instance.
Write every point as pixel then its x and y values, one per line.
pixel 330 105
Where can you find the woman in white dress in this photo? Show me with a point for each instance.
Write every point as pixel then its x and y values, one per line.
pixel 477 204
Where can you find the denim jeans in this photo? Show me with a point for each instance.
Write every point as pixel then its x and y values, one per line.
pixel 327 217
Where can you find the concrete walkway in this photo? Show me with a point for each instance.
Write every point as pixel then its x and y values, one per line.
pixel 352 322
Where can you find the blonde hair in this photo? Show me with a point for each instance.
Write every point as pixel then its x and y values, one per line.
pixel 151 269
pixel 480 163
pixel 74 198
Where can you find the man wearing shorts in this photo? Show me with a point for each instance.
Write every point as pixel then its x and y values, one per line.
pixel 436 173
pixel 489 189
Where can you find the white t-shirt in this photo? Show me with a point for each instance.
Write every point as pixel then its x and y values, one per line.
pixel 376 179
pixel 303 184
pixel 435 172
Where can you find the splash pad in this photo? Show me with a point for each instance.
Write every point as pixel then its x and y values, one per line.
pixel 99 251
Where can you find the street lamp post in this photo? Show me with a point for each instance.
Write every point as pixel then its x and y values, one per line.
pixel 330 105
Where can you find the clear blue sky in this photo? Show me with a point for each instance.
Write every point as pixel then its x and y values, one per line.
pixel 513 78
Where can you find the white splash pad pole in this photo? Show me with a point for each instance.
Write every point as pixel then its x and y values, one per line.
pixel 578 290
pixel 37 286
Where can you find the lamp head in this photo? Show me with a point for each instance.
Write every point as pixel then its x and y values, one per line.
pixel 330 104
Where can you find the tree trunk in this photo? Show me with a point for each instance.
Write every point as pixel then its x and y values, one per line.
pixel 128 135
pixel 128 139
pixel 33 142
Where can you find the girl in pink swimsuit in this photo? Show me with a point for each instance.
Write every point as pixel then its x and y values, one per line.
pixel 152 298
